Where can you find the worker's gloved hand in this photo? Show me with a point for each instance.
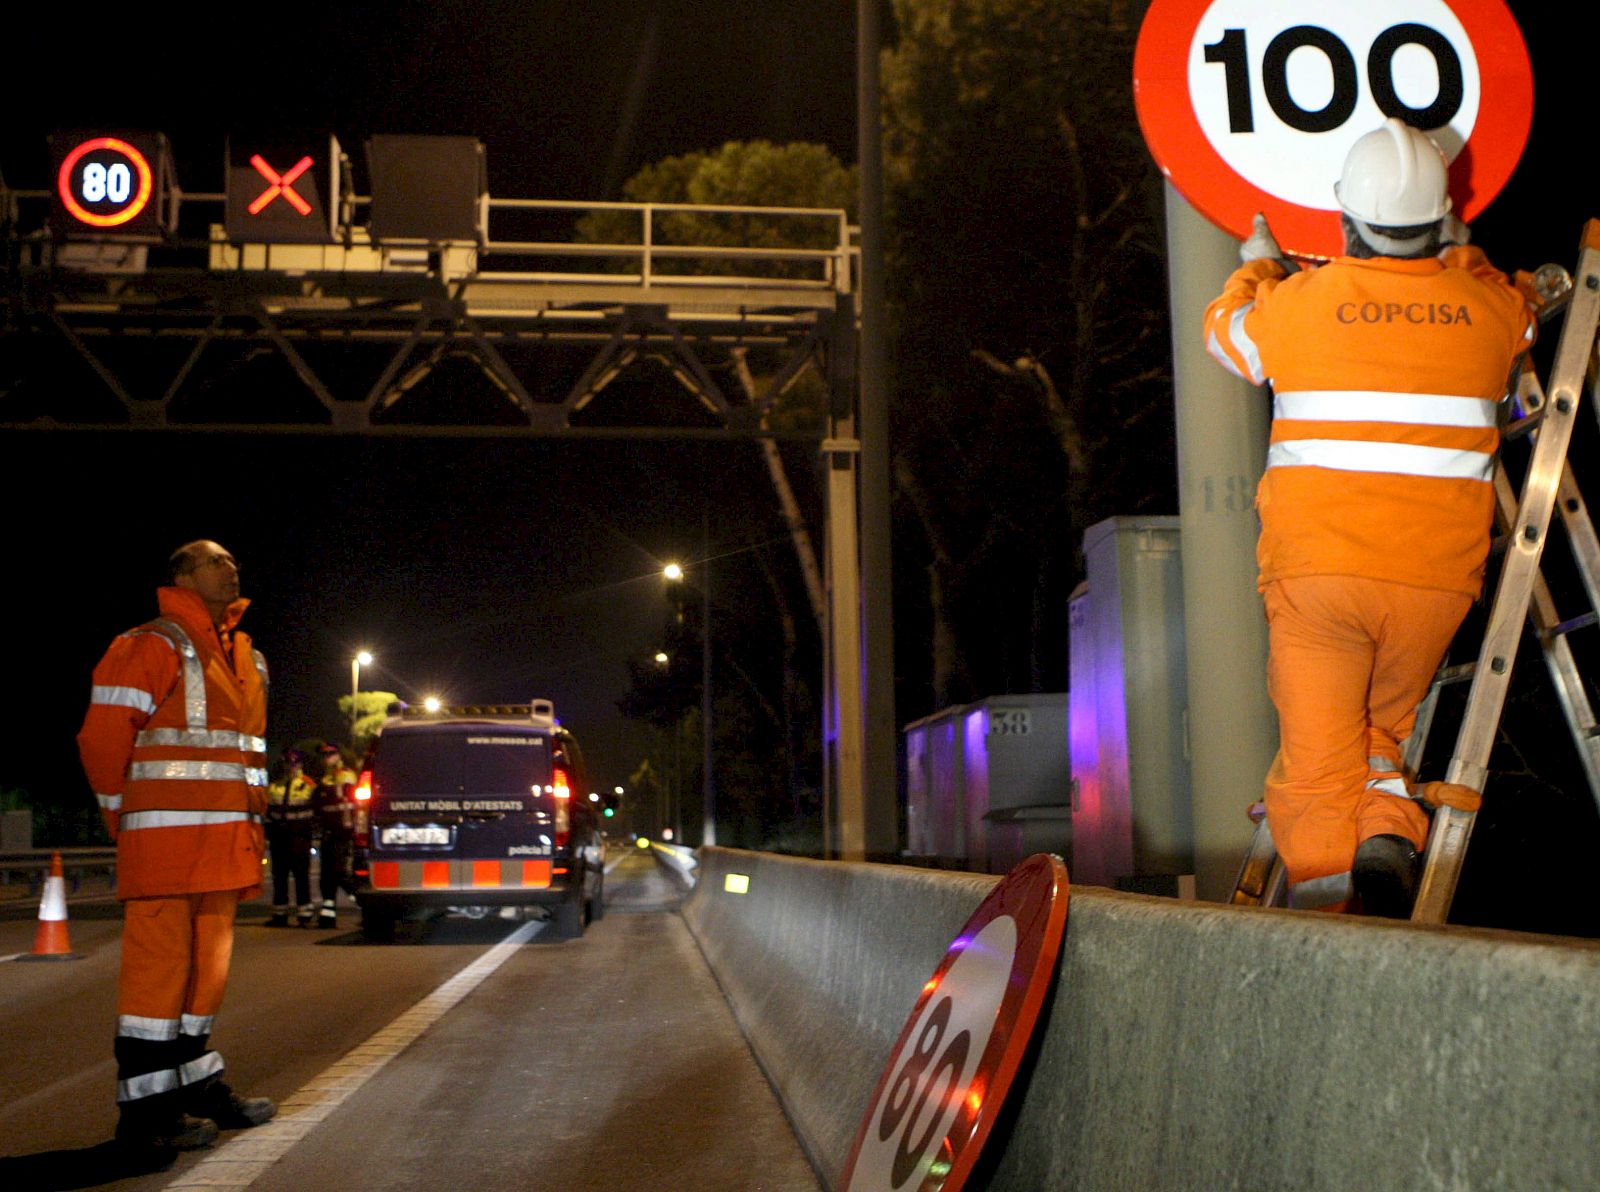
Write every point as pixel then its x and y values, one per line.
pixel 1452 231
pixel 1261 242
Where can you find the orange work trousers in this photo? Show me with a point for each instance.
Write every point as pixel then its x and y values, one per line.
pixel 1351 658
pixel 175 954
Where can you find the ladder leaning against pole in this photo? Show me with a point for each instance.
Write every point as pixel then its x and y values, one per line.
pixel 1520 594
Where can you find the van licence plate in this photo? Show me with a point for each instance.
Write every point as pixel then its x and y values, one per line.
pixel 407 834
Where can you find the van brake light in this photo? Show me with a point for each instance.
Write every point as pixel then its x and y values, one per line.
pixel 364 787
pixel 561 788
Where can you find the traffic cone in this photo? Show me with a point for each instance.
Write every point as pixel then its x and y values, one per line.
pixel 50 940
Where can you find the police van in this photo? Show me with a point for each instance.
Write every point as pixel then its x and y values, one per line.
pixel 473 809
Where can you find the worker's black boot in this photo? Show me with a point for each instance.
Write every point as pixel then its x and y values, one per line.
pixel 1385 876
pixel 153 1125
pixel 230 1111
pixel 279 917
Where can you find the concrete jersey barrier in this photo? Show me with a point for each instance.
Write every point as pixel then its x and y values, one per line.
pixel 1185 1045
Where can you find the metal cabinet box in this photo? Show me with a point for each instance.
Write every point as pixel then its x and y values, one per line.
pixel 988 782
pixel 1132 815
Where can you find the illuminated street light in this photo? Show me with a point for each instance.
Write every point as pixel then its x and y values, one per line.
pixel 431 704
pixel 362 658
pixel 672 571
pixel 661 658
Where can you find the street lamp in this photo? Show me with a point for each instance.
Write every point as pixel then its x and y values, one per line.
pixel 432 704
pixel 674 573
pixel 361 659
pixel 661 658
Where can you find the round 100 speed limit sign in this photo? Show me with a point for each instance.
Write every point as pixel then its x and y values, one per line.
pixel 1251 105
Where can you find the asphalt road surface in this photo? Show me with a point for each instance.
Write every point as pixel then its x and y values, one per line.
pixel 469 1052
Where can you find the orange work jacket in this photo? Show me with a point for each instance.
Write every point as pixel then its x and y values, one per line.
pixel 1386 376
pixel 173 747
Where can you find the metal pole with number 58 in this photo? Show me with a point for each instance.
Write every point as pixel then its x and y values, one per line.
pixel 1251 105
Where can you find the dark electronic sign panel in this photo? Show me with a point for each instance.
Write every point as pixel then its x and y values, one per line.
pixel 111 184
pixel 427 188
pixel 283 191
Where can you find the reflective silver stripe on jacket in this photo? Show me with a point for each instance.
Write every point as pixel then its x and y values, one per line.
pixel 195 1025
pixel 123 697
pixel 197 1070
pixel 109 802
pixel 1403 459
pixel 136 1088
pixel 1375 405
pixel 136 1026
pixel 1390 786
pixel 214 738
pixel 194 678
pixel 132 821
pixel 1321 891
pixel 261 667
pixel 200 771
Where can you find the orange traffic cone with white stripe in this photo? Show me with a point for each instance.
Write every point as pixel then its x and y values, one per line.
pixel 50 940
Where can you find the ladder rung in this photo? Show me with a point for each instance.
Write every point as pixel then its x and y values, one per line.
pixel 1522 426
pixel 1579 622
pixel 1455 674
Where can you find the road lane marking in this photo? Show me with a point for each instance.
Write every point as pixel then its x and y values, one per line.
pixel 247 1155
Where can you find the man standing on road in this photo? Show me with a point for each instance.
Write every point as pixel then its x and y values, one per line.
pixel 290 832
pixel 336 830
pixel 1387 366
pixel 172 746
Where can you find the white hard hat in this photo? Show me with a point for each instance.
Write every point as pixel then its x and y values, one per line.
pixel 1394 176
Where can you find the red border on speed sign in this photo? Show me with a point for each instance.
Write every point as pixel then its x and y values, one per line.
pixel 949 1072
pixel 1195 167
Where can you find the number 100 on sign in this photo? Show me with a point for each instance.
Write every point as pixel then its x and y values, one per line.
pixel 1251 105
pixel 1266 86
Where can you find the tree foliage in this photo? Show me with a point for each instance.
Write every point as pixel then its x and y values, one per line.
pixel 372 709
pixel 739 174
pixel 1030 346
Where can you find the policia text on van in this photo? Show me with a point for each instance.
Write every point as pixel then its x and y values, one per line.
pixel 472 807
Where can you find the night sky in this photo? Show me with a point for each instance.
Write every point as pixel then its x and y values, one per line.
pixel 478 569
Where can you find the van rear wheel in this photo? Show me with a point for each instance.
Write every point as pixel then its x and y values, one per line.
pixel 569 917
pixel 597 900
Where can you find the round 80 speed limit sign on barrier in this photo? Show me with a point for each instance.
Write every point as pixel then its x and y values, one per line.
pixel 949 1072
pixel 1251 105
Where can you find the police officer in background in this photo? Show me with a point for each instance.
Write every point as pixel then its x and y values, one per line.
pixel 291 828
pixel 335 814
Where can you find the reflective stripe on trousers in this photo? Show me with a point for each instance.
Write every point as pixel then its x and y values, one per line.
pixel 1322 891
pixel 166 1080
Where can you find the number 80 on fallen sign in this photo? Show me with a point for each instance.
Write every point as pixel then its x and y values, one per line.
pixel 1251 105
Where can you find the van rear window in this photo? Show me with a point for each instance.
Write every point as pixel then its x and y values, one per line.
pixel 505 769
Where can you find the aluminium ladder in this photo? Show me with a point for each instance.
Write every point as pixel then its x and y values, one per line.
pixel 1521 594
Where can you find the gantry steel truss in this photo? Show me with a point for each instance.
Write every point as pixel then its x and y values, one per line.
pixel 419 305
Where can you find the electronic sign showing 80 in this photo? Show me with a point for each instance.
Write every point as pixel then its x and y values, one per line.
pixel 105 182
pixel 110 184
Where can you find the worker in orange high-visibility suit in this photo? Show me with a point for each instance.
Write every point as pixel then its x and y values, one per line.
pixel 172 745
pixel 1387 366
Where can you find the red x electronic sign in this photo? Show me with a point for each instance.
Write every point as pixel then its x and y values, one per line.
pixel 283 192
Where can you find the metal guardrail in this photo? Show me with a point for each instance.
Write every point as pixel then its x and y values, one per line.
pixel 22 871
pixel 831 265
